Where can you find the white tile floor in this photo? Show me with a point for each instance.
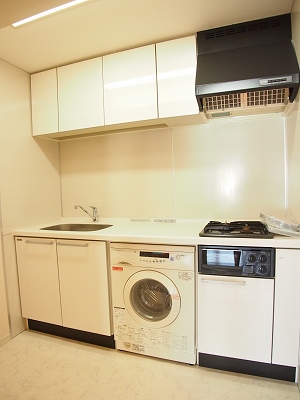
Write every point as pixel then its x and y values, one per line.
pixel 35 366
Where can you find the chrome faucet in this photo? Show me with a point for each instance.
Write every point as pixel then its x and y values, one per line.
pixel 94 216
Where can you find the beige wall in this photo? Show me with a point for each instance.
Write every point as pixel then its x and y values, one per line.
pixel 29 177
pixel 293 131
pixel 229 169
pixel 30 185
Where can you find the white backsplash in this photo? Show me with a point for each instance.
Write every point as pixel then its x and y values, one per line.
pixel 234 168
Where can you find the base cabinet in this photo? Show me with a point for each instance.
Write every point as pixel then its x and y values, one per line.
pixel 4 322
pixel 65 282
pixel 235 317
pixel 38 279
pixel 286 308
pixel 84 285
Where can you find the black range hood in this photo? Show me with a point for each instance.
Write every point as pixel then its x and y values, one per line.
pixel 256 58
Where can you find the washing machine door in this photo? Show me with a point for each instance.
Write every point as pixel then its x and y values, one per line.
pixel 152 299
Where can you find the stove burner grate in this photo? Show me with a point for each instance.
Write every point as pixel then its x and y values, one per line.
pixel 236 229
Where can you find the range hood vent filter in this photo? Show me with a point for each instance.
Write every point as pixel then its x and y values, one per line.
pixel 267 97
pixel 223 102
pixel 248 65
pixel 275 99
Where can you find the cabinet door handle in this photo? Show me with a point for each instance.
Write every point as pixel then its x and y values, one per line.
pixel 220 281
pixel 38 242
pixel 72 244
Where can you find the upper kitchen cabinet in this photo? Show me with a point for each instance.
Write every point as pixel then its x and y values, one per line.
pixel 129 79
pixel 80 95
pixel 152 85
pixel 44 103
pixel 176 71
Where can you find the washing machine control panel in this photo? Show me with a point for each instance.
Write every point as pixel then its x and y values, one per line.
pixel 156 257
pixel 152 256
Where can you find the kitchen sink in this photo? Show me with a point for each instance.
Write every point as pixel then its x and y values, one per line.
pixel 76 227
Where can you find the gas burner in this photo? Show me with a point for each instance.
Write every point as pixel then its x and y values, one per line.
pixel 249 229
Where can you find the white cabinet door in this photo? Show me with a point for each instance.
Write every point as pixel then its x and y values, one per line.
pixel 176 72
pixel 130 86
pixel 44 102
pixel 286 308
pixel 80 95
pixel 235 317
pixel 83 276
pixel 38 278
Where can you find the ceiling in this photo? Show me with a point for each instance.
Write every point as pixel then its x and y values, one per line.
pixel 99 27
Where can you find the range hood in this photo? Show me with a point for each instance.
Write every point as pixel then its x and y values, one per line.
pixel 247 68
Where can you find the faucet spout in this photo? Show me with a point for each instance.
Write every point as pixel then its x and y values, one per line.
pixel 94 216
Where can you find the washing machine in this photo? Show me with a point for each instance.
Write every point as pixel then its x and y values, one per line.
pixel 153 296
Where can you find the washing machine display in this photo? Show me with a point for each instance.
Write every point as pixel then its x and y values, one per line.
pixel 153 291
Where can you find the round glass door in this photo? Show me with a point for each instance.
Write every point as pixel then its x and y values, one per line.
pixel 151 298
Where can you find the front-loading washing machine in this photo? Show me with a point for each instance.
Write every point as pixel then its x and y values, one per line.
pixel 153 296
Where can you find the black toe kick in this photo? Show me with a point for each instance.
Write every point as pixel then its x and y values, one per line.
pixel 68 333
pixel 265 370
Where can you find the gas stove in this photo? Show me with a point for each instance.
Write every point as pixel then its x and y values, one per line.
pixel 235 229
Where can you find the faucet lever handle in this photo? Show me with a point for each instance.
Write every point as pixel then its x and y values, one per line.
pixel 95 213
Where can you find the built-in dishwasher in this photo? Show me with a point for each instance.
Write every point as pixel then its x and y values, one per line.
pixel 235 308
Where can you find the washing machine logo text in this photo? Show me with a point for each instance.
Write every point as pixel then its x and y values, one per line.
pixel 117 268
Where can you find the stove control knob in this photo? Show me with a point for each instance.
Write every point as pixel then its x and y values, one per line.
pixel 252 258
pixel 262 269
pixel 263 258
